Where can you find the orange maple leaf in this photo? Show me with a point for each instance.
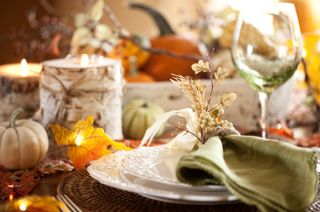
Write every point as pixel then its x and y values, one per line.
pixel 85 142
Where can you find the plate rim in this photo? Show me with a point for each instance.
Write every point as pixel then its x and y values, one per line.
pixel 104 178
pixel 178 185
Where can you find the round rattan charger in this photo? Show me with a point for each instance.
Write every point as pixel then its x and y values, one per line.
pixel 90 195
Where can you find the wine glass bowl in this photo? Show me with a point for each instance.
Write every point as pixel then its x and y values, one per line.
pixel 267 49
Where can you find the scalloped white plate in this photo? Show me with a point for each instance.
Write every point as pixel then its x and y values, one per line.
pixel 107 171
pixel 157 165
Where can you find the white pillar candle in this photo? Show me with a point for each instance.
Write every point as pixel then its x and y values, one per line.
pixel 19 87
pixel 73 88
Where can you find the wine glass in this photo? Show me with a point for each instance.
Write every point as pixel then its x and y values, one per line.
pixel 266 49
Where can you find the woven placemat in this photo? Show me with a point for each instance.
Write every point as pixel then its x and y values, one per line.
pixel 90 195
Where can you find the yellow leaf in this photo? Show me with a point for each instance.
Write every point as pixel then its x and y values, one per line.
pixel 61 135
pixel 85 142
pixel 84 124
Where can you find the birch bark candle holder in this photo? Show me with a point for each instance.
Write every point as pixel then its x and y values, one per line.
pixel 73 88
pixel 19 87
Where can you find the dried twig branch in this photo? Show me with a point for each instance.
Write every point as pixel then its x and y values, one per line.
pixel 213 84
pixel 114 20
pixel 187 131
pixel 158 51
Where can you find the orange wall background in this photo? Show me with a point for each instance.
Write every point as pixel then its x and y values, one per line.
pixel 12 13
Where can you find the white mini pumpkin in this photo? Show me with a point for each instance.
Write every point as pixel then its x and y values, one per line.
pixel 138 116
pixel 23 143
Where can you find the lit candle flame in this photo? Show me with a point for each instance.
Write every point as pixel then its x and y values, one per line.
pixel 10 197
pixel 24 68
pixel 279 126
pixel 79 139
pixel 23 206
pixel 84 60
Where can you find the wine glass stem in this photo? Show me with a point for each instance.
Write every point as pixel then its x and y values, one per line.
pixel 263 98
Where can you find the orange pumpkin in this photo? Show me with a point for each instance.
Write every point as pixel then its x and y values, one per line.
pixel 124 50
pixel 134 75
pixel 161 66
pixel 139 77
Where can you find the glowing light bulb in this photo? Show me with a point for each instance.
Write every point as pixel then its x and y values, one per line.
pixel 79 139
pixel 84 60
pixel 24 68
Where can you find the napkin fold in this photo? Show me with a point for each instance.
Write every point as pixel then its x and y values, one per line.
pixel 274 176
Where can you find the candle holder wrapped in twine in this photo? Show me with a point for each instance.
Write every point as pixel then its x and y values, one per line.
pixel 68 94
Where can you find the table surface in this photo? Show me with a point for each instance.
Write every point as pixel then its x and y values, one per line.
pixel 48 185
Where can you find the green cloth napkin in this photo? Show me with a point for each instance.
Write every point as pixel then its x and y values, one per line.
pixel 274 176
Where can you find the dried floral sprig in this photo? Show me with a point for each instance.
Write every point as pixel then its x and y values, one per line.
pixel 195 90
pixel 208 117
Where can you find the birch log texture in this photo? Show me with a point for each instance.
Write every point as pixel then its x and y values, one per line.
pixel 18 92
pixel 69 94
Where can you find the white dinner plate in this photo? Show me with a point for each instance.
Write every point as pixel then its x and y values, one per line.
pixel 158 186
pixel 158 165
pixel 107 171
pixel 162 199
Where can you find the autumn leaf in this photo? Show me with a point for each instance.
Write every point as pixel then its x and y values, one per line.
pixel 85 142
pixel 227 99
pixel 201 66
